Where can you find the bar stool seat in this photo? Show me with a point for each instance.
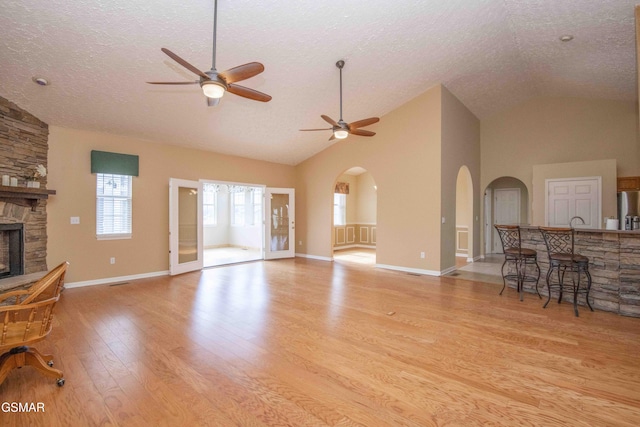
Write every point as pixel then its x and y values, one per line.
pixel 521 252
pixel 562 258
pixel 519 257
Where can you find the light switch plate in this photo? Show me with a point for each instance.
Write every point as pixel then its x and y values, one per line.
pixel 75 220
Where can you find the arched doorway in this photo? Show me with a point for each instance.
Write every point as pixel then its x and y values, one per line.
pixel 464 217
pixel 506 201
pixel 354 217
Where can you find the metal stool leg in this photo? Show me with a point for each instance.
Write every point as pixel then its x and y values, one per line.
pixel 504 281
pixel 588 288
pixel 549 285
pixel 576 289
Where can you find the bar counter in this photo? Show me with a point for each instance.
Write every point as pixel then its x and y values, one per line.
pixel 614 264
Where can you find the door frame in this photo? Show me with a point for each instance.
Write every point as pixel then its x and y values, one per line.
pixel 488 222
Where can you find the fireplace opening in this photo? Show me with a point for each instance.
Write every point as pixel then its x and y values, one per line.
pixel 11 250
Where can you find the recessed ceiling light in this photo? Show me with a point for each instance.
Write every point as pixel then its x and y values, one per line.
pixel 41 81
pixel 566 38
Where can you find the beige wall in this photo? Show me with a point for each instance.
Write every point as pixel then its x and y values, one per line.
pixel 460 147
pixel 404 157
pixel 559 130
pixel 147 251
pixel 367 199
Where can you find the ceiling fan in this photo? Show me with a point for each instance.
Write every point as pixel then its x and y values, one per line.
pixel 215 84
pixel 341 129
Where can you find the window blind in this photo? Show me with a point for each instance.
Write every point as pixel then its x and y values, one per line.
pixel 113 210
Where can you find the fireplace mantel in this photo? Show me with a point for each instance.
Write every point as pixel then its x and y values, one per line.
pixel 21 195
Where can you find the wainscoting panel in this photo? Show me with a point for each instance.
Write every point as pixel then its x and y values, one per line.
pixel 354 235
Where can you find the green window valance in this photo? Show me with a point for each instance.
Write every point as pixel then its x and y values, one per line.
pixel 115 163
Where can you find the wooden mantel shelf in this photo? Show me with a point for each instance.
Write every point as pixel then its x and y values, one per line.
pixel 28 195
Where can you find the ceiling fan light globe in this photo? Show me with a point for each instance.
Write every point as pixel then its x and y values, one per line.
pixel 340 134
pixel 213 89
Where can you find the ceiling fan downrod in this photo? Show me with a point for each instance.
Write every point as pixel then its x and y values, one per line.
pixel 340 65
pixel 215 21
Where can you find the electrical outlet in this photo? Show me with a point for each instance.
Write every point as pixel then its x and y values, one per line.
pixel 300 243
pixel 75 220
pixel 112 260
pixel 422 255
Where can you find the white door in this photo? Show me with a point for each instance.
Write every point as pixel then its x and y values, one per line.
pixel 185 226
pixel 567 198
pixel 507 211
pixel 279 227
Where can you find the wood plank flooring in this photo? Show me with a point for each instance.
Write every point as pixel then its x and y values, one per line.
pixel 310 343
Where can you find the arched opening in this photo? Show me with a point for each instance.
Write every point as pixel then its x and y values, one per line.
pixel 506 201
pixel 464 217
pixel 354 217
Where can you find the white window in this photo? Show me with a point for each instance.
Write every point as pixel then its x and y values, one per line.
pixel 113 206
pixel 339 209
pixel 237 208
pixel 257 206
pixel 210 204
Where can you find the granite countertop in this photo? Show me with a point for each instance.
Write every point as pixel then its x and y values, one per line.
pixel 589 230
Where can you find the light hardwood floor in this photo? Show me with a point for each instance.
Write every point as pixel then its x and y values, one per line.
pixel 310 343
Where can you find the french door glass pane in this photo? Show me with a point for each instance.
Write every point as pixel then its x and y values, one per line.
pixel 187 225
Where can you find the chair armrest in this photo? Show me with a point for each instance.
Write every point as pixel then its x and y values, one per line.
pixel 7 295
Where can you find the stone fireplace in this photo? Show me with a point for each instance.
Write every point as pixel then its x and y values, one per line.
pixel 23 146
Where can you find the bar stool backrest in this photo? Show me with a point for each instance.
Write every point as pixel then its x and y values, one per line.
pixel 509 236
pixel 558 240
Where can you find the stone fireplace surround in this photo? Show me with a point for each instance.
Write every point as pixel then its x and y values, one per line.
pixel 11 249
pixel 23 145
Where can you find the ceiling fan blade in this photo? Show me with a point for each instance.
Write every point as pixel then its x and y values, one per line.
pixel 363 123
pixel 212 102
pixel 315 129
pixel 332 137
pixel 242 72
pixel 173 83
pixel 248 93
pixel 185 64
pixel 329 120
pixel 361 132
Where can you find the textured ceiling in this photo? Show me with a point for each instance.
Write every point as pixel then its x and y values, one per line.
pixel 492 54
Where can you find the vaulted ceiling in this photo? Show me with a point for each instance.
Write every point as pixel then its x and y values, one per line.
pixel 492 54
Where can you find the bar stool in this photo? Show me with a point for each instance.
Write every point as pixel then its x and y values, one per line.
pixel 562 257
pixel 519 256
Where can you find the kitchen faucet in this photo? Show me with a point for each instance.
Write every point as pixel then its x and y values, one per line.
pixel 575 217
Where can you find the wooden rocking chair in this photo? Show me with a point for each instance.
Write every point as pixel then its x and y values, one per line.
pixel 28 320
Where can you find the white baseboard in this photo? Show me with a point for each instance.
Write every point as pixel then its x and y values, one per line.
pixel 116 279
pixel 321 258
pixel 412 270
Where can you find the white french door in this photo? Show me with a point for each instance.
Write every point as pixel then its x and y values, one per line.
pixel 185 226
pixel 280 238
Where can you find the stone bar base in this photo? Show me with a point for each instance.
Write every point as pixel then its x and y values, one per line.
pixel 614 264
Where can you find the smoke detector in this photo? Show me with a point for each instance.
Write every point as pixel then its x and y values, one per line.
pixel 40 81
